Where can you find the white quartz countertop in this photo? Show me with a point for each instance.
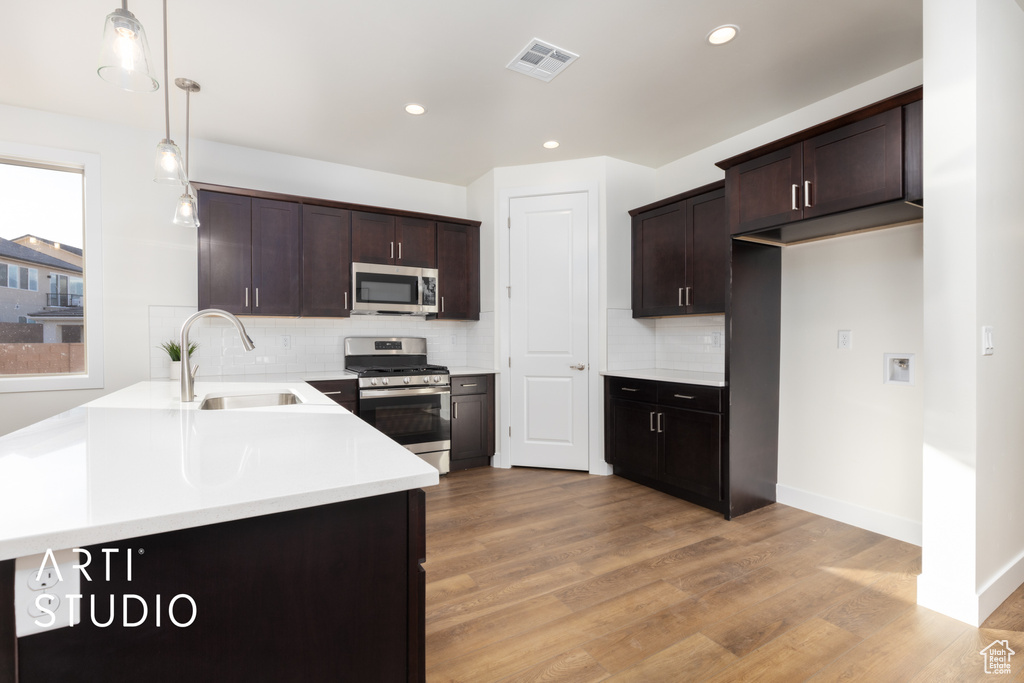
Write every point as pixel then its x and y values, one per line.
pixel 708 379
pixel 138 462
pixel 457 371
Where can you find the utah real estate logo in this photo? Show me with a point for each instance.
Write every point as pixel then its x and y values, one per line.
pixel 997 657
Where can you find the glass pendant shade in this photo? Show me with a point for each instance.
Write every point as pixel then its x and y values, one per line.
pixel 124 57
pixel 186 214
pixel 169 169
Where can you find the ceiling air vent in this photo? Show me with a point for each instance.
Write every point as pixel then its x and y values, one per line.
pixel 542 60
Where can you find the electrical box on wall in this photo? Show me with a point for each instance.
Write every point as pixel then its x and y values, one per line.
pixel 899 368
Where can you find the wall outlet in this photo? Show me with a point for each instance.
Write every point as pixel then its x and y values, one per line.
pixel 716 340
pixel 41 598
pixel 845 341
pixel 286 341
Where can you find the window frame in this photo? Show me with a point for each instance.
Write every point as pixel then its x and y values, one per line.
pixel 88 164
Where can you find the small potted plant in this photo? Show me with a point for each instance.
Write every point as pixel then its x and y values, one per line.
pixel 173 350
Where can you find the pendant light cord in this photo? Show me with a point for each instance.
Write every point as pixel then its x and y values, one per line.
pixel 188 115
pixel 167 85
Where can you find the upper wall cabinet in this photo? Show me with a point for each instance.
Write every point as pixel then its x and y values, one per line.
pixel 326 262
pixel 857 172
pixel 458 271
pixel 393 240
pixel 248 255
pixel 680 250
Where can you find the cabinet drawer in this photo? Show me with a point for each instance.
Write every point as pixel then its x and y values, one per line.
pixel 469 384
pixel 632 389
pixel 338 390
pixel 690 396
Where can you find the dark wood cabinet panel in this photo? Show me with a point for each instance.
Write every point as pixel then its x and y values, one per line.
pixel 458 272
pixel 680 255
pixel 692 450
pixel 472 421
pixel 707 263
pixel 632 436
pixel 659 261
pixel 344 392
pixel 373 238
pixel 326 261
pixel 766 191
pixel 275 258
pixel 225 252
pixel 854 166
pixel 417 243
pixel 913 147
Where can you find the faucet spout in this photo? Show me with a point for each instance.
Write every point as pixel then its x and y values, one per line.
pixel 187 372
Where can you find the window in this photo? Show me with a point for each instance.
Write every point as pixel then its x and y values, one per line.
pixel 52 329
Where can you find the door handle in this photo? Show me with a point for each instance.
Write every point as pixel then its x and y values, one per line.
pixel 579 366
pixel 807 194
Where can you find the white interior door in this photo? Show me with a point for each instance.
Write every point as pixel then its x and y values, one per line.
pixel 548 331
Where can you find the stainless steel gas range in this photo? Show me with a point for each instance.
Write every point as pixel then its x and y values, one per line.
pixel 402 395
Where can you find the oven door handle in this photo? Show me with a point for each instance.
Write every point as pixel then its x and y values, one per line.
pixel 423 391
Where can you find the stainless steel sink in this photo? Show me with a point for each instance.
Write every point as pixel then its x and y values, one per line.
pixel 277 398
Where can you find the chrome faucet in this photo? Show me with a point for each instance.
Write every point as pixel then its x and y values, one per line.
pixel 188 373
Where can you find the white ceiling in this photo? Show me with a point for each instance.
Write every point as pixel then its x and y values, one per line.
pixel 328 79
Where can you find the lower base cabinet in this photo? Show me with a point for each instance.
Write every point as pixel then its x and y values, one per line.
pixel 668 436
pixel 472 417
pixel 344 392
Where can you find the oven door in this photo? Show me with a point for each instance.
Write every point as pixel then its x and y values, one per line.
pixel 418 418
pixel 393 289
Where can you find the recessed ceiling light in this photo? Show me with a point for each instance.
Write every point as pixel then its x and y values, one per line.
pixel 723 34
pixel 415 109
pixel 551 144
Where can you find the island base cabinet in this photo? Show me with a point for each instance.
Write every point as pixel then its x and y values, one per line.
pixel 329 593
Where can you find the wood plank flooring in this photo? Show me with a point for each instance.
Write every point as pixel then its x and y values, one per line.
pixel 546 575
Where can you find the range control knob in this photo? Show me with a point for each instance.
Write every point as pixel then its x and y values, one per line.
pixel 426 380
pixel 406 380
pixel 436 378
pixel 384 381
pixel 373 381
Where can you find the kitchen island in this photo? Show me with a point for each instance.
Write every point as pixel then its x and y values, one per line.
pixel 295 530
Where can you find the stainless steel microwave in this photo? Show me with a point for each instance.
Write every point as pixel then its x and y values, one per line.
pixel 393 290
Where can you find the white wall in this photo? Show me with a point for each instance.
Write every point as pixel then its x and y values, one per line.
pixel 849 444
pixel 973 532
pixel 147 260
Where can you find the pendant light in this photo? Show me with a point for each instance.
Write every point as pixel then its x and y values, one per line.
pixel 186 213
pixel 169 169
pixel 124 57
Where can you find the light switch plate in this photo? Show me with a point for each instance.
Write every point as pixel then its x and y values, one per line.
pixel 988 344
pixel 31 589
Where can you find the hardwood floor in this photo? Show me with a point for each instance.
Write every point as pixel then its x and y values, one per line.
pixel 546 575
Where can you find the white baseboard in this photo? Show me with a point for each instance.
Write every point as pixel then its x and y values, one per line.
pixel 900 528
pixel 995 592
pixel 967 606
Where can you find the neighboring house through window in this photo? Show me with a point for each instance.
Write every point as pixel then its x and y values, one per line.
pixel 50 331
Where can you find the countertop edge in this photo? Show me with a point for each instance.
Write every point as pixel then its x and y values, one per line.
pixel 707 379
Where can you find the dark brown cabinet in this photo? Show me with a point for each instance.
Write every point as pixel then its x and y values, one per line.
pixel 859 171
pixel 393 240
pixel 680 252
pixel 472 418
pixel 344 392
pixel 326 262
pixel 249 255
pixel 458 271
pixel 668 436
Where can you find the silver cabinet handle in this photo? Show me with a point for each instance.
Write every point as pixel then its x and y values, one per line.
pixel 690 398
pixel 688 295
pixel 257 297
pixel 470 385
pixel 399 251
pixel 652 421
pixel 392 250
pixel 579 366
pixel 330 393
pixel 624 388
pixel 247 297
pixel 807 194
pixel 346 301
pixel 455 410
pixel 442 304
pixel 795 188
pixel 660 416
pixel 681 296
